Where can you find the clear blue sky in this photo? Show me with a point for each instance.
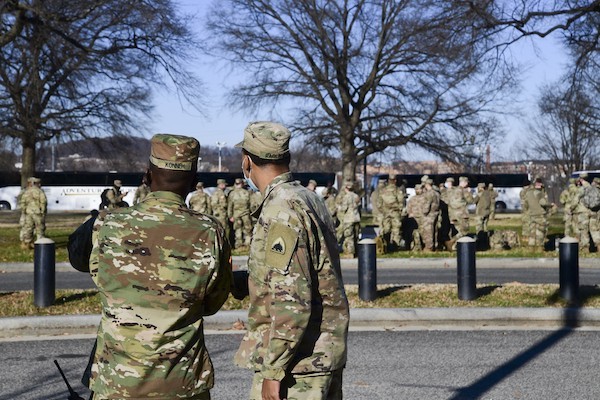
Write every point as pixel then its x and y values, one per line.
pixel 543 56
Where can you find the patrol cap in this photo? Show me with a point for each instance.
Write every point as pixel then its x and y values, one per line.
pixel 490 185
pixel 31 179
pixel 418 186
pixel 221 181
pixel 583 175
pixel 481 185
pixel 312 182
pixel 117 183
pixel 463 179
pixel 392 177
pixel 450 179
pixel 424 178
pixel 429 181
pixel 239 181
pixel 267 140
pixel 199 185
pixel 174 152
pixel 596 180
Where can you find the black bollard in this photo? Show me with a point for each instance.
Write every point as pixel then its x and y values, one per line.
pixel 465 268
pixel 568 268
pixel 367 270
pixel 43 272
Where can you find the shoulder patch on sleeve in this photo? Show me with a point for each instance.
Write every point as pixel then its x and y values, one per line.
pixel 280 246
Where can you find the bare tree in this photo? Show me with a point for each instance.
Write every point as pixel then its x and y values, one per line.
pixel 567 131
pixel 84 68
pixel 367 75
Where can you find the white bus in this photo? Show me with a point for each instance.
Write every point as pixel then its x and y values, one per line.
pixel 72 191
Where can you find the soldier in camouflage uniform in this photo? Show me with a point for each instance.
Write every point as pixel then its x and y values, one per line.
pixel 538 206
pixel 218 204
pixel 200 200
pixel 115 196
pixel 457 199
pixel 493 197
pixel 390 202
pixel 524 212
pixel 255 200
pixel 312 185
pixel 415 221
pixel 34 205
pixel 566 197
pixel 374 199
pixel 141 192
pixel 581 214
pixel 238 210
pixel 351 222
pixel 595 220
pixel 329 199
pixel 482 200
pixel 298 316
pixel 159 267
pixel 428 228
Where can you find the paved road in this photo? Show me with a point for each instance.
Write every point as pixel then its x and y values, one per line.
pixel 448 365
pixel 588 276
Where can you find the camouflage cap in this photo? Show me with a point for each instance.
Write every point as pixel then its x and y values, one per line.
pixel 312 182
pixel 596 180
pixel 200 185
pixel 267 140
pixel 117 183
pixel 481 185
pixel 174 152
pixel 583 175
pixel 450 179
pixel 429 181
pixel 239 181
pixel 490 185
pixel 418 186
pixel 424 178
pixel 573 180
pixel 463 179
pixel 221 181
pixel 392 177
pixel 31 179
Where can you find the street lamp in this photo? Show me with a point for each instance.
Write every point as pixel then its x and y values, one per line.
pixel 220 145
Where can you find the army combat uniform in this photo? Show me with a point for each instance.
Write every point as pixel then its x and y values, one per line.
pixel 238 208
pixel 298 316
pixel 218 203
pixel 160 268
pixel 34 204
pixel 292 248
pixel 538 206
pixel 200 200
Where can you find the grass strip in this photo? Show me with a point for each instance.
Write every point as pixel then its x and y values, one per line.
pixel 72 302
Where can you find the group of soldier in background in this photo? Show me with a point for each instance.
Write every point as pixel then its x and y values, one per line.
pixel 581 202
pixel 434 218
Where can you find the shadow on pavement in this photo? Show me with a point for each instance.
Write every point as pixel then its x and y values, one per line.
pixel 478 388
pixel 73 297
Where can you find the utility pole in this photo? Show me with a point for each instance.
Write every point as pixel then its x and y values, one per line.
pixel 220 145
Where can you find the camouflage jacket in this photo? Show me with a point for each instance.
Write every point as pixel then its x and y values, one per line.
pixel 141 193
pixel 298 316
pixel 390 200
pixel 431 206
pixel 238 203
pixel 218 203
pixel 200 201
pixel 483 200
pixel 33 201
pixel 417 205
pixel 159 267
pixel 536 201
pixel 349 208
pixel 457 200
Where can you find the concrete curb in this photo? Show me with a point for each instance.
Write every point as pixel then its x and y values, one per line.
pixel 431 318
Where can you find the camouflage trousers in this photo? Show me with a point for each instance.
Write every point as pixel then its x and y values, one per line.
pixel 568 219
pixel 525 226
pixel 318 386
pixel 349 237
pixel 391 224
pixel 595 228
pixel 242 227
pixel 31 223
pixel 538 228
pixel 582 229
pixel 427 231
pixel 481 223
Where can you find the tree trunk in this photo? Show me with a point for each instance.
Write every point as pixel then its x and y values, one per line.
pixel 28 160
pixel 348 154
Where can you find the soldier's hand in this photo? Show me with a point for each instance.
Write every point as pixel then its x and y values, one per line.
pixel 270 390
